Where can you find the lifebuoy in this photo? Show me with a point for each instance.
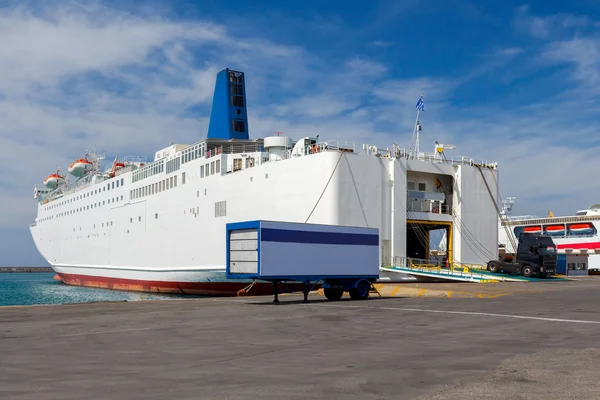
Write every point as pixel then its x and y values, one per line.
pixel 436 210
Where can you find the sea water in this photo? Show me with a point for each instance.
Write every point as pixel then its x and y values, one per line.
pixel 28 288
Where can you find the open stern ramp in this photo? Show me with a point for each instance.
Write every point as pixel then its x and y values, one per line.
pixel 454 272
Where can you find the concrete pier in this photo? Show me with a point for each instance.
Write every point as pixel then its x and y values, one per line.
pixel 537 341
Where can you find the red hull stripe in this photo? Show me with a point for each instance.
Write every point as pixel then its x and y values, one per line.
pixel 590 245
pixel 197 288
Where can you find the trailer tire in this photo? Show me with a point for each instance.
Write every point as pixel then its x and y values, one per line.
pixel 527 271
pixel 333 294
pixel 492 267
pixel 361 291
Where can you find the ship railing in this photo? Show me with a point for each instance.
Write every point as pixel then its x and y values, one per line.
pixel 445 267
pixel 432 207
pixel 437 158
pixel 396 261
pixel 330 145
pixel 134 159
pixel 235 148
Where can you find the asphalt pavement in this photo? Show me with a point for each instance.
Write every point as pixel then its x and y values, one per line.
pixel 539 341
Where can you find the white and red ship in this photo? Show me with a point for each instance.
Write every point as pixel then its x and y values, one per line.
pixel 577 233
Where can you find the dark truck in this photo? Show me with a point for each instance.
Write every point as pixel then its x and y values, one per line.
pixel 536 255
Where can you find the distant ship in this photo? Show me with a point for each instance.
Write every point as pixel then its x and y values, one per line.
pixel 160 226
pixel 578 231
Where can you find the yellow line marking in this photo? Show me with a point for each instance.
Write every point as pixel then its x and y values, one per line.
pixel 422 291
pixel 395 290
pixel 450 294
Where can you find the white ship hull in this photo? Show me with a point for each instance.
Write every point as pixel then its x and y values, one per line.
pixel 174 240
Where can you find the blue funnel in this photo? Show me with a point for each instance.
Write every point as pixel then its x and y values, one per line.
pixel 228 118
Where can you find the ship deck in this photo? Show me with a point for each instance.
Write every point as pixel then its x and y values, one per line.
pixel 538 340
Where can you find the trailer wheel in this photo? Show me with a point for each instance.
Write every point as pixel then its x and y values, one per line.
pixel 333 294
pixel 492 267
pixel 361 291
pixel 527 271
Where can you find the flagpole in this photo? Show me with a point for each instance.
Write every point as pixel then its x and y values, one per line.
pixel 415 130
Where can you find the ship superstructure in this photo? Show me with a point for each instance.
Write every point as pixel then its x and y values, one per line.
pixel 160 225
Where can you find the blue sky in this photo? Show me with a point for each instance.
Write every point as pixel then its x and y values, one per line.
pixel 513 82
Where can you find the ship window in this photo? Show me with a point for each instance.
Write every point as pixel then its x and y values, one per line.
pixel 164 184
pixel 237 101
pixel 171 183
pixel 130 220
pixel 266 176
pixel 175 181
pixel 183 178
pixel 237 164
pixel 239 126
pixel 117 183
pixel 422 187
pixel 198 193
pixel 218 166
pixel 113 185
pixel 121 197
pixel 410 186
pixel 122 181
pixel 155 216
pixel 139 219
pixel 202 171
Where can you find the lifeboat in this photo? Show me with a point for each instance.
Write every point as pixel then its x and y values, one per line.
pixel 53 181
pixel 555 229
pixel 116 165
pixel 581 228
pixel 533 229
pixel 80 167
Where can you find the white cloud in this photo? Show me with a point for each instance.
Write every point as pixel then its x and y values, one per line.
pixel 546 26
pixel 583 53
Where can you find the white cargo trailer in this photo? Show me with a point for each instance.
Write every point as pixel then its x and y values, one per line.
pixel 343 258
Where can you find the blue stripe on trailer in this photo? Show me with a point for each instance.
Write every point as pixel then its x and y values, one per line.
pixel 294 236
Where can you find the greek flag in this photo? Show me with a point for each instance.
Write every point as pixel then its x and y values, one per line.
pixel 420 104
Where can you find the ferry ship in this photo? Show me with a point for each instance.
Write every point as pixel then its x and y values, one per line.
pixel 160 226
pixel 578 232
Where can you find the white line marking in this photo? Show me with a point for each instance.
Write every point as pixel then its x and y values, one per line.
pixel 576 321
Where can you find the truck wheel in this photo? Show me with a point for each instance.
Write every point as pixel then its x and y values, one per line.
pixel 361 291
pixel 527 271
pixel 333 294
pixel 492 267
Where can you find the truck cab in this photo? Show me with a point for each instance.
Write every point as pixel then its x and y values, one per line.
pixel 536 255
